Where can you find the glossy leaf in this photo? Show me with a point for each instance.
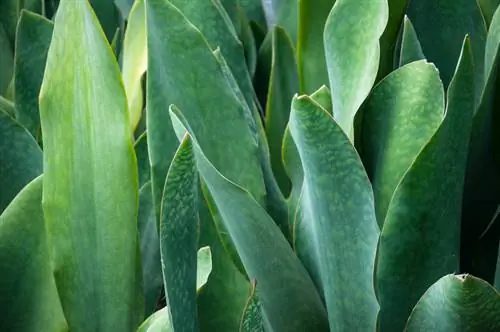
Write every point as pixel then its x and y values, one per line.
pixel 152 278
pixel 135 60
pixel 34 33
pixel 399 118
pixel 89 170
pixel 22 159
pixel 310 48
pixel 439 44
pixel 29 300
pixel 282 87
pixel 179 238
pixel 251 320
pixel 410 46
pixel 457 303
pixel 180 48
pixel 288 298
pixel 352 49
pixel 419 242
pixel 7 61
pixel 342 229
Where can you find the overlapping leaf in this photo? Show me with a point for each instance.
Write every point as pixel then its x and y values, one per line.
pixel 411 50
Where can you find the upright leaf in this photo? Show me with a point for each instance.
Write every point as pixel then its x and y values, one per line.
pixel 179 238
pixel 287 294
pixel 251 320
pixel 337 204
pixel 21 159
pixel 419 242
pixel 254 10
pixel 7 61
pixel 108 16
pixel 410 46
pixel 352 49
pixel 399 118
pixel 441 26
pixel 283 13
pixel 488 8
pixel 90 176
pixel 457 303
pixel 310 48
pixel 29 300
pixel 34 33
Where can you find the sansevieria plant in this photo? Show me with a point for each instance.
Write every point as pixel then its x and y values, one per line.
pixel 248 165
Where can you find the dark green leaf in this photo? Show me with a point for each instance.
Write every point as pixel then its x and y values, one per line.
pixel 488 8
pixel 6 59
pixel 7 107
pixel 420 237
pixel 410 46
pixel 142 155
pixel 457 303
pixel 29 300
pixel 252 321
pixel 34 33
pixel 108 16
pixel 254 11
pixel 90 177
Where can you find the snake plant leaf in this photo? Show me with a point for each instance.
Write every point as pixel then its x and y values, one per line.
pixel 34 33
pixel 419 242
pixel 283 13
pixel 7 61
pixel 152 278
pixel 457 303
pixel 399 118
pixel 482 183
pixel 323 98
pixel 29 300
pixel 411 50
pixel 11 10
pixel 282 87
pixel 263 68
pixel 342 228
pixel 233 11
pixel 135 60
pixel 124 6
pixel 254 10
pixel 389 39
pixel 351 39
pixel 179 48
pixel 22 159
pixel 179 226
pixel 108 16
pixel 204 266
pixel 89 170
pixel 488 8
pixel 249 43
pixel 7 107
pixel 251 320
pixel 310 47
pixel 142 155
pixel 222 299
pixel 287 294
pixel 440 44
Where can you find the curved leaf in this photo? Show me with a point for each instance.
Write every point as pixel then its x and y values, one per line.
pixel 34 33
pixel 420 238
pixel 90 176
pixel 7 61
pixel 488 8
pixel 352 49
pixel 160 321
pixel 287 294
pixel 179 238
pixel 399 118
pixel 457 303
pixel 410 46
pixel 22 159
pixel 204 266
pixel 310 48
pixel 251 320
pixel 337 205
pixel 29 300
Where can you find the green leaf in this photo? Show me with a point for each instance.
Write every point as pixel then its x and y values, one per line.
pixel 410 46
pixel 287 294
pixel 488 8
pixel 34 33
pixel 254 11
pixel 389 39
pixel 7 107
pixel 248 41
pixel 497 271
pixel 124 6
pixel 108 16
pixel 204 266
pixel 180 48
pixel 283 13
pixel 419 242
pixel 160 321
pixel 142 154
pixel 399 118
pixel 352 49
pixel 310 48
pixel 457 303
pixel 11 9
pixel 135 60
pixel 29 300
pixel 252 321
pixel 152 278
pixel 338 211
pixel 89 171
pixel 441 26
pixel 282 87
pixel 22 159
pixel 179 238
pixel 7 61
